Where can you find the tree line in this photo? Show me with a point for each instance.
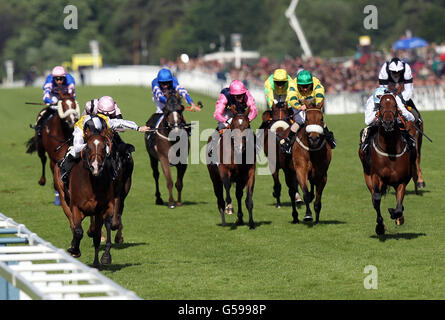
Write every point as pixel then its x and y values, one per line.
pixel 32 33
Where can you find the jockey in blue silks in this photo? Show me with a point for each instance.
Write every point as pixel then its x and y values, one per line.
pixel 160 85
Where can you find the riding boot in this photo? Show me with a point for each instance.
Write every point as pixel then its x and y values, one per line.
pixel 330 137
pixel 409 139
pixel 288 142
pixel 65 168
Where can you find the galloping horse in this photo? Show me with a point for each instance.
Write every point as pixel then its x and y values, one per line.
pixel 311 156
pixel 55 133
pixel 167 150
pixel 391 163
pixel 416 133
pixel 237 164
pixel 92 193
pixel 278 124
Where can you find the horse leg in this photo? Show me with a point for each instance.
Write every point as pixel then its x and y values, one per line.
pixel 319 191
pixel 291 183
pixel 239 197
pixel 155 167
pixel 397 212
pixel 420 182
pixel 181 168
pixel 77 230
pixel 106 257
pixel 376 199
pixel 218 190
pixel 302 177
pixel 249 197
pixel 227 184
pixel 167 173
pixel 276 187
pixel 42 156
pixel 97 239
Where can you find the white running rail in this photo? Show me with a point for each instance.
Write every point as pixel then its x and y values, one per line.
pixel 41 271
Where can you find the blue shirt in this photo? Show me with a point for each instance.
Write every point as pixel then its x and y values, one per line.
pixel 159 95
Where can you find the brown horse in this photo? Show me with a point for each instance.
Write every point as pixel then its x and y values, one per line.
pixel 55 133
pixel 92 193
pixel 279 121
pixel 236 164
pixel 415 132
pixel 311 156
pixel 163 146
pixel 391 162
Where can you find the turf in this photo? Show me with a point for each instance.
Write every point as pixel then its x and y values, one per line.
pixel 185 253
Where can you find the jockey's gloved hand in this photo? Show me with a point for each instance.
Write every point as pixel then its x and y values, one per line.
pixel 54 100
pixel 48 101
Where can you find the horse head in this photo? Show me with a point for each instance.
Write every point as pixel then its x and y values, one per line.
pixel 239 126
pixel 96 152
pixel 388 112
pixel 173 110
pixel 314 126
pixel 68 109
pixel 280 111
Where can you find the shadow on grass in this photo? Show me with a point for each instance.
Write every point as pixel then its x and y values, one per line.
pixel 115 267
pixel 124 245
pixel 287 204
pixel 412 192
pixel 398 236
pixel 234 225
pixel 321 222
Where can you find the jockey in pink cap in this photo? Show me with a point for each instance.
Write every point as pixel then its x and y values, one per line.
pixel 235 94
pixel 59 80
pixel 108 107
pixel 106 110
pixel 238 95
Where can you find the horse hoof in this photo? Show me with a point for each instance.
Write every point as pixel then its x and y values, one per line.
pixel 295 221
pixel 106 259
pixel 298 198
pixel 75 254
pixel 159 202
pixel 42 182
pixel 252 227
pixel 239 222
pixel 420 185
pixel 179 204
pixel 308 218
pixel 380 229
pixel 119 240
pixel 277 206
pixel 172 205
pixel 400 221
pixel 229 209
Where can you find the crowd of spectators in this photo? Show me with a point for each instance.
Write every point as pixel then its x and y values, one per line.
pixel 353 74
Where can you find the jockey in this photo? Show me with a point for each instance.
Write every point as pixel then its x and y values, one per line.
pixel 238 95
pixel 91 107
pixel 105 111
pixel 277 88
pixel 57 81
pixel 397 71
pixel 309 88
pixel 372 106
pixel 163 82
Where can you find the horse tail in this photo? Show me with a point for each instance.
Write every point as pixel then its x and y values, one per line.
pixel 31 145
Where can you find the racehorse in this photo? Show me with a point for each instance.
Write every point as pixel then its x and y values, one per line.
pixel 391 162
pixel 55 133
pixel 278 124
pixel 163 146
pixel 236 165
pixel 415 128
pixel 311 156
pixel 91 193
